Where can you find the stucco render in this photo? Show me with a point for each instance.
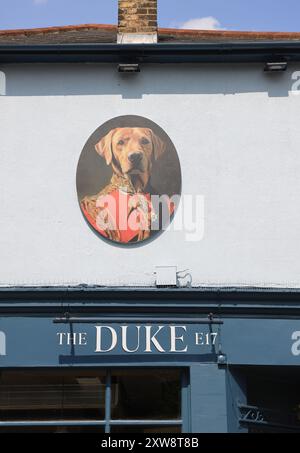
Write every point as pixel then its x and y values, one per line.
pixel 236 131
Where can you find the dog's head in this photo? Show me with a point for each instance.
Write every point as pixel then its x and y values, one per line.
pixel 131 151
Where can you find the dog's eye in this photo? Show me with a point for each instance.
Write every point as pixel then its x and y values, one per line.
pixel 121 142
pixel 145 141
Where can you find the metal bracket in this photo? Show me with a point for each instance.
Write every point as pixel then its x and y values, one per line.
pixel 67 318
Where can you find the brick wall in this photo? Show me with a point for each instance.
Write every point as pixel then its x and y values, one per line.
pixel 137 16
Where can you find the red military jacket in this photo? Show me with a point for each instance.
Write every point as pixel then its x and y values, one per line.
pixel 124 212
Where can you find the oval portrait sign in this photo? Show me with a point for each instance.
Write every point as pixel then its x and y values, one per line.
pixel 129 180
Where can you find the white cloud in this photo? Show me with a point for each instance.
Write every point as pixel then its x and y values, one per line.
pixel 40 2
pixel 202 23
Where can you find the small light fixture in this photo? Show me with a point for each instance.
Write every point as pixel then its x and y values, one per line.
pixel 279 66
pixel 129 68
pixel 221 359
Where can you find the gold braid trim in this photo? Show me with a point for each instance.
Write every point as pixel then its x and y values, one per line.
pixel 88 203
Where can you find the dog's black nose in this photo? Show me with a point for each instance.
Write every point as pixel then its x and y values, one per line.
pixel 135 158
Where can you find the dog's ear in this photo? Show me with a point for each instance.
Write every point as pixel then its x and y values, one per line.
pixel 159 145
pixel 104 147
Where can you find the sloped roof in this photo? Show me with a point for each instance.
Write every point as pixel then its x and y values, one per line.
pixel 96 33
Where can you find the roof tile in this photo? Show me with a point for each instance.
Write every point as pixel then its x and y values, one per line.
pixel 97 33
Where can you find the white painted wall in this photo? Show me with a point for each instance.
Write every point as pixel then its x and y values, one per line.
pixel 237 134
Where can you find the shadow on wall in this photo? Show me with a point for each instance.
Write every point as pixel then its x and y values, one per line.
pixel 97 79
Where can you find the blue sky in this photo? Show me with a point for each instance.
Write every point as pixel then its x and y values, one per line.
pixel 277 15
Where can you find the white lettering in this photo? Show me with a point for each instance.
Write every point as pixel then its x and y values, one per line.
pixel 214 337
pixel 124 339
pixel 151 339
pixel 71 339
pixel 145 338
pixel 120 443
pixel 61 336
pixel 174 338
pixel 199 339
pixel 114 338
pixel 82 339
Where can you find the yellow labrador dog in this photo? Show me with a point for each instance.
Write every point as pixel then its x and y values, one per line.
pixel 130 151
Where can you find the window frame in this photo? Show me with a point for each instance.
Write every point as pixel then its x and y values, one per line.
pixel 108 423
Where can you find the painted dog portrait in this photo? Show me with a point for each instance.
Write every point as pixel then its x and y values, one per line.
pixel 128 208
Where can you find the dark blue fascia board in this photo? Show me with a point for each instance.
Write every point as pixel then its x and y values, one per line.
pixel 94 300
pixel 83 291
pixel 225 52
